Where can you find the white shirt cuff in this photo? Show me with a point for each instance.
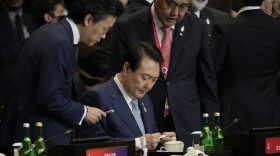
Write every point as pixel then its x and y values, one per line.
pixel 138 142
pixel 85 113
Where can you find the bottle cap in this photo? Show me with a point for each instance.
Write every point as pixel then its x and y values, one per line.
pixel 205 115
pixel 39 124
pixel 217 114
pixel 25 124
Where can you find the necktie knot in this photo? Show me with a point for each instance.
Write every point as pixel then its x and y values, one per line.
pixel 165 30
pixel 17 17
pixel 134 104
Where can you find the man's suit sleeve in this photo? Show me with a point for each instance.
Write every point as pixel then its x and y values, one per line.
pixel 57 67
pixel 206 78
pixel 98 129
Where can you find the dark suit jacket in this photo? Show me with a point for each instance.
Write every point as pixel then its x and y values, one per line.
pixel 246 56
pixel 212 16
pixel 190 84
pixel 42 88
pixel 9 51
pixel 133 6
pixel 121 123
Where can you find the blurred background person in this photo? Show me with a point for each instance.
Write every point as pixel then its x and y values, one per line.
pixel 92 65
pixel 15 27
pixel 271 7
pixel 276 9
pixel 223 5
pixel 48 11
pixel 209 15
pixel 246 56
pixel 267 6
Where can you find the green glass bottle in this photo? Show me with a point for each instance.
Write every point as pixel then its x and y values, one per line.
pixel 218 137
pixel 206 139
pixel 40 147
pixel 27 148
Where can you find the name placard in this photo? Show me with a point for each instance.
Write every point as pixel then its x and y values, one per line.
pixel 108 151
pixel 272 145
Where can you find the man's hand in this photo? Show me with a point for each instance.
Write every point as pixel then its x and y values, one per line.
pixel 152 140
pixel 93 115
pixel 169 136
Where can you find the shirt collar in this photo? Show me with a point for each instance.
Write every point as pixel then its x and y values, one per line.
pixel 120 86
pixel 197 13
pixel 76 33
pixel 158 24
pixel 248 8
pixel 150 1
pixel 12 16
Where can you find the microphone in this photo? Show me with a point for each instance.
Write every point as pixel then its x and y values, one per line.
pixel 68 132
pixel 232 123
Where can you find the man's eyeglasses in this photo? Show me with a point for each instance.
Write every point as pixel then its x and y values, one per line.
pixel 173 5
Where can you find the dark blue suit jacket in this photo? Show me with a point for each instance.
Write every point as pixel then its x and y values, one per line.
pixel 42 90
pixel 121 123
pixel 190 84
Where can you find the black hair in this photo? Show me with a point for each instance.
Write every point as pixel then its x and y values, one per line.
pixel 41 7
pixel 99 9
pixel 138 50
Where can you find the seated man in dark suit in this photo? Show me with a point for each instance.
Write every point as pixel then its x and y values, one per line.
pixel 140 71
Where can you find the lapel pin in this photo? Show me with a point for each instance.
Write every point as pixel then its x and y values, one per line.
pixel 207 21
pixel 182 29
pixel 145 110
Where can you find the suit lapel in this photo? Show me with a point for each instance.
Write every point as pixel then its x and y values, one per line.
pixel 179 39
pixel 205 15
pixel 8 24
pixel 122 109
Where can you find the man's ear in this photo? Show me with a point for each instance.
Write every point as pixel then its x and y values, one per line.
pixel 88 19
pixel 126 67
pixel 47 17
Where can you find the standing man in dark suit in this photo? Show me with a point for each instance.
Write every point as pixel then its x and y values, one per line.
pixel 209 15
pixel 15 27
pixel 140 71
pixel 42 90
pixel 246 56
pixel 187 86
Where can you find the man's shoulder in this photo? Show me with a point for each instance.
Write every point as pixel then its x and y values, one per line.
pixel 191 21
pixel 215 12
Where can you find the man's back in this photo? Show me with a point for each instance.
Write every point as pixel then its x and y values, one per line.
pixel 246 59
